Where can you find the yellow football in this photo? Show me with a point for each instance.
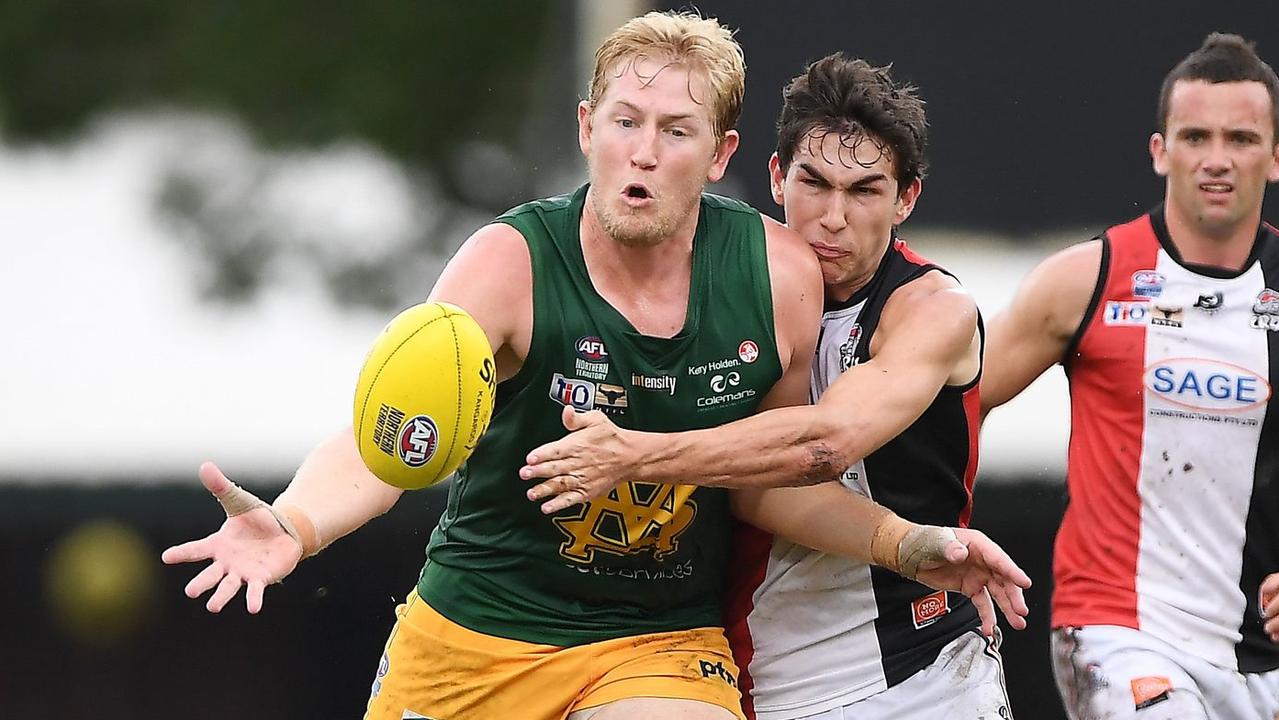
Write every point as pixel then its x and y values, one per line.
pixel 425 395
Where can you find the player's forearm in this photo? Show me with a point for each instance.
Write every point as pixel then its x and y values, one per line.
pixel 334 493
pixel 826 517
pixel 783 447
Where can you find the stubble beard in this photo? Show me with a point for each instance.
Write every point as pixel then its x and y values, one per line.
pixel 630 229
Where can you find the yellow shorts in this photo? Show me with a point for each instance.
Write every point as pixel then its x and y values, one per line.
pixel 435 668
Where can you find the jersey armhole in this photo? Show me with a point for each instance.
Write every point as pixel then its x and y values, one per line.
pixel 521 379
pixel 1103 274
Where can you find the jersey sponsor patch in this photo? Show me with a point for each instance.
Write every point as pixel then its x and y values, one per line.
pixel 611 398
pixel 1136 312
pixel 1167 315
pixel 1147 691
pixel 1265 311
pixel 1206 384
pixel 1147 283
pixel 929 609
pixel 748 351
pixel 656 383
pixel 1210 302
pixel 572 391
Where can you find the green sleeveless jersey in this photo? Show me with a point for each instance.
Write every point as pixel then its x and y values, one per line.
pixel 647 557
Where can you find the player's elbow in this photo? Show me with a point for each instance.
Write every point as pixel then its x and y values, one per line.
pixel 823 453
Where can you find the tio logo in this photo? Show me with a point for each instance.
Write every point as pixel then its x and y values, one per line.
pixel 572 391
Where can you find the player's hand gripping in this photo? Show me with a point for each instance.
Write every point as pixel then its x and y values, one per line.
pixel 255 546
pixel 958 560
pixel 591 460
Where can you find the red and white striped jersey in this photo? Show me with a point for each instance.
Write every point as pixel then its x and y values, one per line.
pixel 1173 517
pixel 812 631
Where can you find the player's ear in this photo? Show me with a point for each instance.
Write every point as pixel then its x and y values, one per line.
pixel 584 127
pixel 907 199
pixel 776 180
pixel 1273 175
pixel 724 150
pixel 1159 154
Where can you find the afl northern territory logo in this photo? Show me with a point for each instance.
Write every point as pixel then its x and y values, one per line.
pixel 419 438
pixel 591 348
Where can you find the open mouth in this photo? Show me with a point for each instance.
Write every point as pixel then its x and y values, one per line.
pixel 636 192
pixel 1216 188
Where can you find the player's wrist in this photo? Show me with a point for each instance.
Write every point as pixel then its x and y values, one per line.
pixel 886 541
pixel 299 526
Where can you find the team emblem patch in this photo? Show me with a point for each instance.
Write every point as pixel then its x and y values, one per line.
pixel 748 351
pixel 1147 283
pixel 419 439
pixel 849 347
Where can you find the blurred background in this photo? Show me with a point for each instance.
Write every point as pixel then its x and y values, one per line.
pixel 207 211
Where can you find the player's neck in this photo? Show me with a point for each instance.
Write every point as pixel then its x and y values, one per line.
pixel 648 285
pixel 638 266
pixel 1225 247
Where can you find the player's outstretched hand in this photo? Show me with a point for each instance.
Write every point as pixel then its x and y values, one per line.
pixel 251 548
pixel 588 462
pixel 976 566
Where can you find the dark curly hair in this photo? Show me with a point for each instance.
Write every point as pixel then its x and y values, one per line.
pixel 860 102
pixel 1223 57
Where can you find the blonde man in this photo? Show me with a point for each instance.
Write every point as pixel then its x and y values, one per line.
pixel 610 610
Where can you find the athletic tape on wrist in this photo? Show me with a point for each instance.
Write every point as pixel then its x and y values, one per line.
pixel 924 543
pixel 902 546
pixel 237 501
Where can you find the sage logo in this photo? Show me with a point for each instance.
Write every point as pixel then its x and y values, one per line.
pixel 719 382
pixel 1206 384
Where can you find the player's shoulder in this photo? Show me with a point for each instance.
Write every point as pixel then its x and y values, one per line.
pixel 1071 270
pixel 936 294
pixel 497 242
pixel 790 259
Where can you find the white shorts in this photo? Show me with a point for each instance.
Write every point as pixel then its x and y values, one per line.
pixel 966 682
pixel 1105 671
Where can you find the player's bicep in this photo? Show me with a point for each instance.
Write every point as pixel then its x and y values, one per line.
pixel 491 277
pixel 797 296
pixel 876 400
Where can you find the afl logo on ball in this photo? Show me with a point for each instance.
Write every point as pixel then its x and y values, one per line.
pixel 419 439
pixel 748 351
